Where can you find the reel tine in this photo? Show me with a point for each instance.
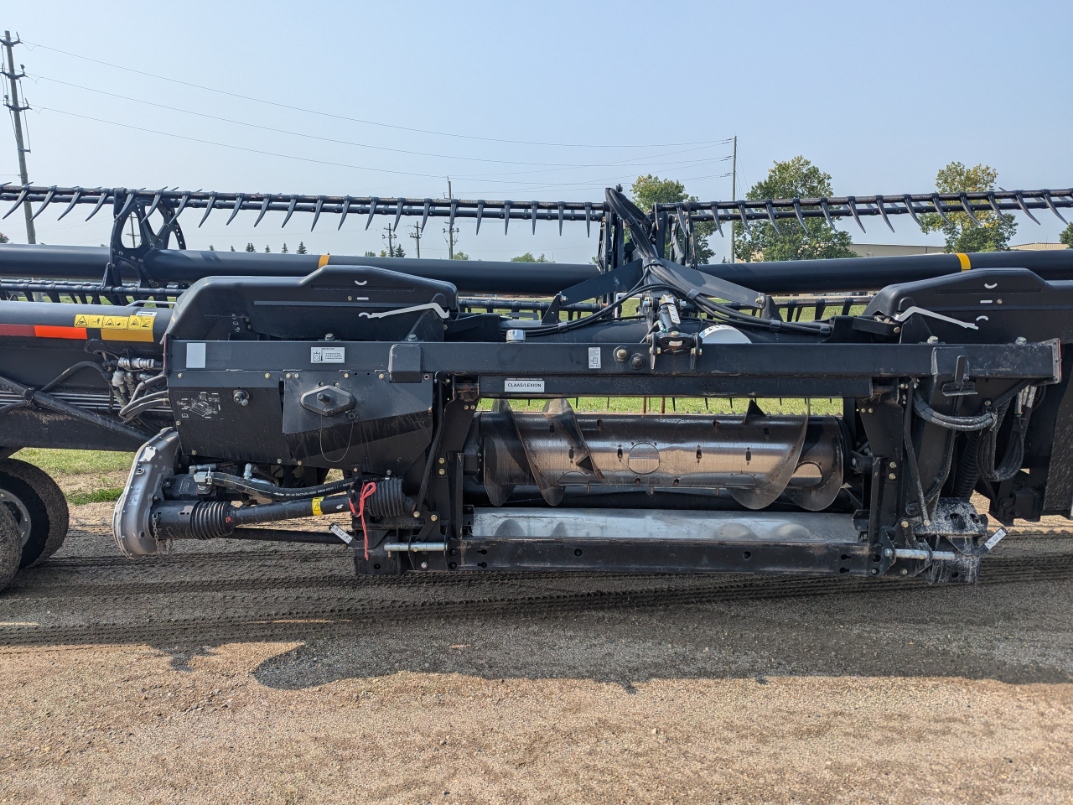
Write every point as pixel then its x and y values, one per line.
pixel 771 217
pixel 316 212
pixel 128 203
pixel 74 200
pixel 264 208
pixel 967 206
pixel 826 209
pixel 424 213
pixel 938 202
pixel 993 203
pixel 715 217
pixel 156 201
pixel 1024 207
pixel 851 202
pixel 588 219
pixel 47 200
pixel 908 201
pixel 480 214
pixel 238 206
pixel 883 212
pixel 345 210
pixel 182 206
pixel 744 217
pixel 506 215
pixel 561 207
pixel 209 207
pixel 372 211
pixel 451 219
pixel 290 211
pixel 533 214
pixel 398 215
pixel 1054 209
pixel 100 203
pixel 20 199
pixel 798 213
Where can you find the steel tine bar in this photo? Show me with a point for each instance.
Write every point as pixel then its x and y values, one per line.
pixel 451 219
pixel 797 212
pixel 967 206
pixel 344 209
pixel 372 211
pixel 771 217
pixel 851 202
pixel 156 201
pixel 938 202
pixel 480 214
pixel 209 207
pixel 744 217
pixel 74 200
pixel 22 197
pixel 47 200
pixel 1050 203
pixel 561 218
pixel 912 210
pixel 264 208
pixel 100 203
pixel 826 209
pixel 1024 207
pixel 290 211
pixel 883 212
pixel 398 215
pixel 128 203
pixel 425 212
pixel 994 204
pixel 506 215
pixel 533 214
pixel 316 212
pixel 715 217
pixel 238 206
pixel 588 219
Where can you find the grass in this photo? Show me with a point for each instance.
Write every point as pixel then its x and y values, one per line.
pixel 107 495
pixel 75 462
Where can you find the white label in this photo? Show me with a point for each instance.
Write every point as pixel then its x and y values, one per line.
pixel 520 384
pixel 327 354
pixel 594 357
pixel 195 356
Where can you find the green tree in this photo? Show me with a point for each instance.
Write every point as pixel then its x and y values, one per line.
pixel 268 250
pixel 460 255
pixel 211 247
pixel 528 258
pixel 301 248
pixel 992 234
pixel 4 238
pixel 250 247
pixel 370 254
pixel 232 248
pixel 1066 237
pixel 284 249
pixel 794 178
pixel 396 251
pixel 649 190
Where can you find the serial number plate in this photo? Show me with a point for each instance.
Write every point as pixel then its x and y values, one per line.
pixel 524 384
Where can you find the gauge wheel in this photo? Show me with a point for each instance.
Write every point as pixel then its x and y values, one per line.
pixel 38 507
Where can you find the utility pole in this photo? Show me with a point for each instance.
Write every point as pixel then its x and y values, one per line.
pixel 390 240
pixel 416 235
pixel 450 230
pixel 12 103
pixel 733 191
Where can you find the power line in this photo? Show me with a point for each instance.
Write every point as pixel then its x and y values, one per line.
pixel 370 122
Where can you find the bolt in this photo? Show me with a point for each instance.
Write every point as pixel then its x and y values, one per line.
pixel 874 571
pixel 621 354
pixel 904 524
pixel 288 375
pixel 897 329
pixel 887 552
pixel 443 460
pixel 905 572
pixel 893 465
pixel 345 374
pixel 892 476
pixel 268 374
pixel 411 337
pixel 637 361
pixel 759 300
pixel 933 339
pixel 193 452
pixel 417 514
pixel 381 375
pixel 1020 340
pixel 442 471
pixel 180 374
pixel 299 463
pixel 434 518
pixel 424 565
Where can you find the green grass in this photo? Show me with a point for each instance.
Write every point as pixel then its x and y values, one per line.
pixel 107 495
pixel 75 462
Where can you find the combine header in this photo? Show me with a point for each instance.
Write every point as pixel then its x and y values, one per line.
pixel 241 380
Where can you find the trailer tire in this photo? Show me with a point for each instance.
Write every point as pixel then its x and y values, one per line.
pixel 33 494
pixel 10 547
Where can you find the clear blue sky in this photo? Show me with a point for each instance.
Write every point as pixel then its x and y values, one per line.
pixel 879 95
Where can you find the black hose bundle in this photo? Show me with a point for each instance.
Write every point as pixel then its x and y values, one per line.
pixel 990 468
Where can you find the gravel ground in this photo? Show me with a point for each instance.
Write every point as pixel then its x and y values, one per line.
pixel 259 672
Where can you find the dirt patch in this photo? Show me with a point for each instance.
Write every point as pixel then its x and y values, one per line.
pixel 253 672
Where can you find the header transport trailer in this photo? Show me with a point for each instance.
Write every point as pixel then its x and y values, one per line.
pixel 241 380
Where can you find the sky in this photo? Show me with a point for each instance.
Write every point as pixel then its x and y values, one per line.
pixel 550 101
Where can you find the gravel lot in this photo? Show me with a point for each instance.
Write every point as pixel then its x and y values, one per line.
pixel 245 672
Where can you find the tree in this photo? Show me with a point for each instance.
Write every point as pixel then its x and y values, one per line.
pixel 396 251
pixel 4 238
pixel 232 248
pixel 301 248
pixel 268 249
pixel 212 248
pixel 649 190
pixel 1066 237
pixel 370 254
pixel 528 258
pixel 250 247
pixel 794 178
pixel 284 249
pixel 992 234
pixel 460 255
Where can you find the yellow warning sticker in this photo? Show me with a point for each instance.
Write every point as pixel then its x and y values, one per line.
pixel 140 322
pixel 88 320
pixel 317 511
pixel 114 323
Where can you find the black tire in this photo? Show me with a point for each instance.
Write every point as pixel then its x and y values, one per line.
pixel 32 493
pixel 10 547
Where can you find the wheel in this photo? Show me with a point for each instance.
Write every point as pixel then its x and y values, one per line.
pixel 38 507
pixel 10 547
